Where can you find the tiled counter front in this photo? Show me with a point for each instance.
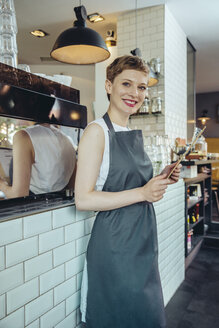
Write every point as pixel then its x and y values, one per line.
pixel 41 263
pixel 170 213
pixel 42 257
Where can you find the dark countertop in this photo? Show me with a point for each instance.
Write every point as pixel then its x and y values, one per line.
pixel 33 207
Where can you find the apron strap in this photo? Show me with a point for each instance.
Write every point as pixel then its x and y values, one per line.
pixel 108 122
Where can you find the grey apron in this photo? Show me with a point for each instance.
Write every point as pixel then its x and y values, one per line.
pixel 124 289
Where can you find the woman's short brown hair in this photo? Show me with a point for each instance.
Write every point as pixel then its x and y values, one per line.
pixel 125 62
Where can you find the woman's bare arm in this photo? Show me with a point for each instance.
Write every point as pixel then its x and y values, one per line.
pixel 90 156
pixel 23 158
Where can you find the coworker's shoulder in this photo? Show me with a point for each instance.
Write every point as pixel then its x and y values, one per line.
pixel 21 134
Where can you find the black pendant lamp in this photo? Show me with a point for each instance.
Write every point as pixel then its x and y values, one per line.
pixel 204 117
pixel 80 44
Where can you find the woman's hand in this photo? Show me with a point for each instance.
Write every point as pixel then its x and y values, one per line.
pixel 175 175
pixel 155 188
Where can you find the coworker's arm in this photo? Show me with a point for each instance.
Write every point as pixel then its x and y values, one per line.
pixel 23 158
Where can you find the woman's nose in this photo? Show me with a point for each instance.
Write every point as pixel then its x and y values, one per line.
pixel 133 91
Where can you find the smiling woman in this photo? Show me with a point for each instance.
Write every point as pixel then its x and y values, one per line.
pixel 121 268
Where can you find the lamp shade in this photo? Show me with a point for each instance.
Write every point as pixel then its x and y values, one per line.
pixel 204 118
pixel 80 44
pixel 153 78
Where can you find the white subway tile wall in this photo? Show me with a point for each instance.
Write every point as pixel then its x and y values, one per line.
pixel 171 238
pixel 2 258
pixel 15 319
pixel 150 39
pixel 2 306
pixel 10 232
pixel 159 35
pixel 35 324
pixel 23 294
pixel 42 292
pixel 40 270
pixel 175 78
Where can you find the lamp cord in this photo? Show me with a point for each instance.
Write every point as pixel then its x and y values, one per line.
pixel 136 34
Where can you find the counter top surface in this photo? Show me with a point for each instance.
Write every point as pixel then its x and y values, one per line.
pixel 199 162
pixel 35 207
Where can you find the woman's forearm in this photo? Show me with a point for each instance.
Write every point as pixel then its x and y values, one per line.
pixel 10 191
pixel 105 201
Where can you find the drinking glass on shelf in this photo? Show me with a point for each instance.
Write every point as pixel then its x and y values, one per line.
pixel 8 23
pixel 8 59
pixel 8 43
pixel 7 6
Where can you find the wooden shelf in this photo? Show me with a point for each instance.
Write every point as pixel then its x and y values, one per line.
pixel 199 162
pixel 205 211
pixel 191 203
pixel 146 114
pixel 193 252
pixel 198 178
pixel 192 225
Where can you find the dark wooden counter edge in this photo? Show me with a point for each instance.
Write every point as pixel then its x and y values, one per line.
pixel 21 211
pixel 199 162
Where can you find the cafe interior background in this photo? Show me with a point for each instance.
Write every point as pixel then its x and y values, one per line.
pixel 41 257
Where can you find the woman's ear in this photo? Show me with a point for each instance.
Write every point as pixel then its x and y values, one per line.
pixel 108 86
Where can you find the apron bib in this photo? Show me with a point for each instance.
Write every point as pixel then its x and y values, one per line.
pixel 124 289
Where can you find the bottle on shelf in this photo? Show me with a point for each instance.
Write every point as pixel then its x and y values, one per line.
pixel 197 211
pixel 145 107
pixel 189 240
pixel 156 105
pixel 193 217
pixel 188 222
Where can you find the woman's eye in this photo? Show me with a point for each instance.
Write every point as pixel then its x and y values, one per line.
pixel 126 84
pixel 142 88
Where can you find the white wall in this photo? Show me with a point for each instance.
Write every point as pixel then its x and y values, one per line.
pixel 175 78
pixel 82 79
pixel 150 39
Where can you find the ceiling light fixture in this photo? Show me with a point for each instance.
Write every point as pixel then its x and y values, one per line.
pixel 110 39
pixel 80 44
pixel 95 18
pixel 39 33
pixel 204 118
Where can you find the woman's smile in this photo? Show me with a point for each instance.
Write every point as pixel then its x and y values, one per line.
pixel 130 103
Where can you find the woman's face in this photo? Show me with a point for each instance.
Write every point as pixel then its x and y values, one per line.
pixel 128 90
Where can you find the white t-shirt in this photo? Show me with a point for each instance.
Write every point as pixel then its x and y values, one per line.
pixel 104 168
pixel 54 159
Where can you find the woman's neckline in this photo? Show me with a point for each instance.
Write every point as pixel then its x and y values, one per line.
pixel 120 126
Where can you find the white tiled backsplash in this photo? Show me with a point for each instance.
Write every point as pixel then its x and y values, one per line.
pixel 40 277
pixel 159 35
pixel 41 262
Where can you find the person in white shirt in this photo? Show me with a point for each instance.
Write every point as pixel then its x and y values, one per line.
pixel 44 160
